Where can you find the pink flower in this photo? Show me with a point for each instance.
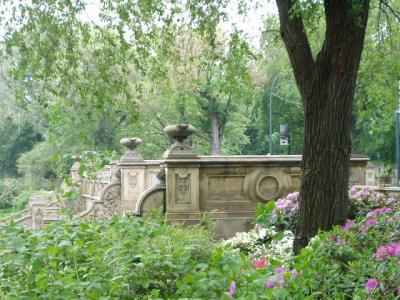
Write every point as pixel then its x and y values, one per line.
pixel 340 242
pixel 280 280
pixel 384 252
pixel 260 263
pixel 379 211
pixel 294 273
pixel 372 222
pixel 280 270
pixel 232 290
pixel 381 253
pixel 363 229
pixel 349 224
pixel 371 284
pixel 257 226
pixel 282 204
pixel 270 284
pixel 294 208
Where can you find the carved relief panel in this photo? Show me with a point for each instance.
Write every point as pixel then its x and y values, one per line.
pixel 225 188
pixel 182 188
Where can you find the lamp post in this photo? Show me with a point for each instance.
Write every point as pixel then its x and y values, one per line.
pixel 270 113
pixel 272 94
pixel 398 141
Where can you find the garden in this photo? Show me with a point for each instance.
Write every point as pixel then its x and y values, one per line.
pixel 255 78
pixel 135 258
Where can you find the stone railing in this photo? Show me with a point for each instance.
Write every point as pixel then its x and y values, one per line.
pixel 185 184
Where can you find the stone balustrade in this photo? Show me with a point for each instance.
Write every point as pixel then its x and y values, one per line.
pixel 185 184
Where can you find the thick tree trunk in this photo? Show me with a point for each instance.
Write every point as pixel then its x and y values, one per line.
pixel 216 135
pixel 327 87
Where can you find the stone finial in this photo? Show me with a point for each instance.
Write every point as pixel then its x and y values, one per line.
pixel 180 149
pixel 131 155
pixel 76 163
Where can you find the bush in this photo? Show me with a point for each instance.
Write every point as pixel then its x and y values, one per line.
pixel 9 189
pixel 357 261
pixel 128 258
pixel 21 200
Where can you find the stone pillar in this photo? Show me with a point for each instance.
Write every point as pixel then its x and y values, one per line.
pixel 182 176
pixel 132 171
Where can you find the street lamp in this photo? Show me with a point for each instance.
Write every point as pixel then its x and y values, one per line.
pixel 270 113
pixel 271 93
pixel 398 141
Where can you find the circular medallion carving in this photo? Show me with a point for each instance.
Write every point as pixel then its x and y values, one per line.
pixel 266 184
pixel 267 187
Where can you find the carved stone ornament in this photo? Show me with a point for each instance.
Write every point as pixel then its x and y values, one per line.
pixel 109 203
pixel 182 189
pixel 74 206
pixel 131 155
pixel 77 163
pixel 180 149
pixel 161 177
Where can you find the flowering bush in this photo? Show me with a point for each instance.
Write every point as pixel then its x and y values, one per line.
pixel 281 214
pixel 263 243
pixel 362 200
pixel 359 260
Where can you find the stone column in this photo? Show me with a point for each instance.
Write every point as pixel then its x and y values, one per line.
pixel 132 172
pixel 182 176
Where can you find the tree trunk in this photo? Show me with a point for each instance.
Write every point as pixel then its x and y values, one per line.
pixel 216 134
pixel 326 85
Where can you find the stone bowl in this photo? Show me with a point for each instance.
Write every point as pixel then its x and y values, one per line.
pixel 180 130
pixel 131 143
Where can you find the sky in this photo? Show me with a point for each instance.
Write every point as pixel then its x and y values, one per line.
pixel 251 25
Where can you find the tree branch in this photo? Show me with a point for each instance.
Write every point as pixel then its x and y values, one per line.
pixel 395 13
pixel 297 45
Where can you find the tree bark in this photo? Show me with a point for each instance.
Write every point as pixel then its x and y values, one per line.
pixel 216 133
pixel 326 85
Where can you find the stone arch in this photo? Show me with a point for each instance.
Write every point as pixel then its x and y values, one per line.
pixel 153 197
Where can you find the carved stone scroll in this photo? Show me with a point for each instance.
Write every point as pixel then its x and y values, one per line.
pixel 107 206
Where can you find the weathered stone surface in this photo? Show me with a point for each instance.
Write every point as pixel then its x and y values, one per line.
pixel 180 149
pixel 151 198
pixel 131 155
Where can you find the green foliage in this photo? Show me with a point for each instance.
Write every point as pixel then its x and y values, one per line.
pixel 15 139
pixel 128 258
pixel 377 94
pixel 21 200
pixel 8 191
pixel 37 164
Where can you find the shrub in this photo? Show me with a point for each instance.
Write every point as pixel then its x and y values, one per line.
pixel 359 260
pixel 281 214
pixel 362 200
pixel 9 189
pixel 21 200
pixel 127 258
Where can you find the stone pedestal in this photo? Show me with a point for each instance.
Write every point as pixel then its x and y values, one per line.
pixel 182 193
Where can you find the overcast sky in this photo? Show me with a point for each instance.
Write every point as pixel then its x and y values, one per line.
pixel 251 24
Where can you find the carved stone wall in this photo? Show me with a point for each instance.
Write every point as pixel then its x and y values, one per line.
pixel 231 187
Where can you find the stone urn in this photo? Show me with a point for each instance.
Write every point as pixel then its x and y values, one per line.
pixel 180 149
pixel 131 155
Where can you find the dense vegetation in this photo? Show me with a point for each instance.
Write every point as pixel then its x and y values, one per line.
pixel 132 258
